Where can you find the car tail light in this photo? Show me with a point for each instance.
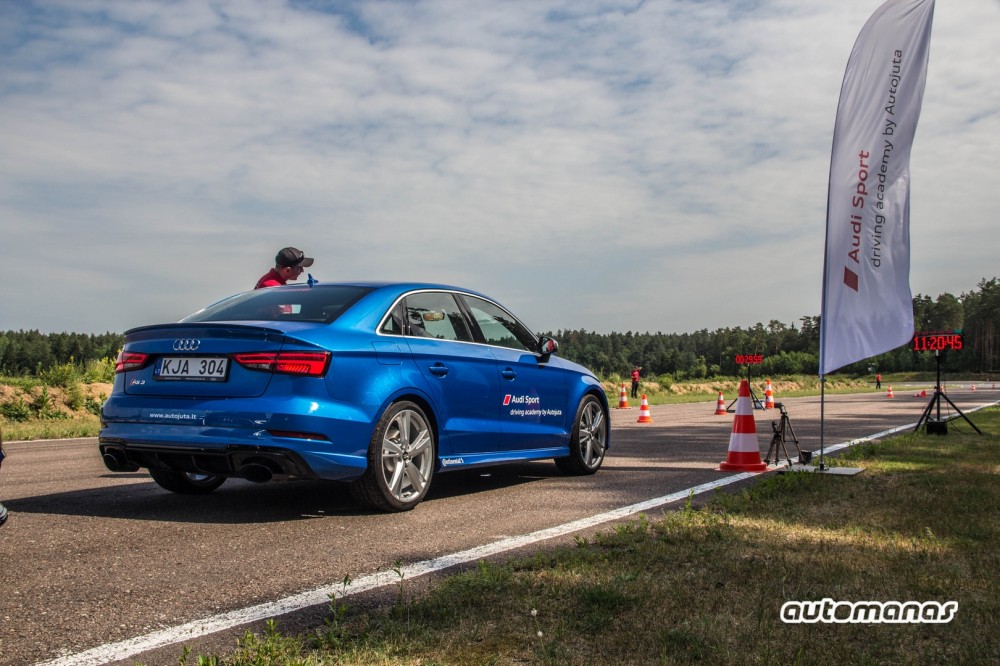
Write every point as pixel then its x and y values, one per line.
pixel 130 361
pixel 306 364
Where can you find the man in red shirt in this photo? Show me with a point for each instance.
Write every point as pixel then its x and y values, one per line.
pixel 288 265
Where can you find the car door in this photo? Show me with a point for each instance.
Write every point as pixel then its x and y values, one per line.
pixel 533 393
pixel 460 376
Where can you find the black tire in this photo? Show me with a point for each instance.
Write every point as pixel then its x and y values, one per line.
pixel 401 460
pixel 589 440
pixel 185 483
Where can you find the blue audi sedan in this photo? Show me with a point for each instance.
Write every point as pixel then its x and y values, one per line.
pixel 379 385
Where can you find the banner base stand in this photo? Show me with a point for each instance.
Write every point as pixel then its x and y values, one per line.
pixel 832 471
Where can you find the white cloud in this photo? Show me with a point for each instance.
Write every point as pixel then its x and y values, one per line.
pixel 599 165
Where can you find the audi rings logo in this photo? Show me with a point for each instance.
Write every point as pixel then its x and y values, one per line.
pixel 186 344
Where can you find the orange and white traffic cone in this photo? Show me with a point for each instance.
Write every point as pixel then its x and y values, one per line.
pixel 888 393
pixel 768 396
pixel 744 450
pixel 720 406
pixel 623 399
pixel 973 387
pixel 644 415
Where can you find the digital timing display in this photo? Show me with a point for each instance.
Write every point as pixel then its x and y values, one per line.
pixel 749 359
pixel 937 340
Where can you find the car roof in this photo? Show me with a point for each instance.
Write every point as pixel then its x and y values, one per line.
pixel 386 286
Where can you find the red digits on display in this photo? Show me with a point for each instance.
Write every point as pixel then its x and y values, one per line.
pixel 937 342
pixel 749 359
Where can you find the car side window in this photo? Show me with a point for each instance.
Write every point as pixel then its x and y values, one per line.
pixel 436 315
pixel 393 324
pixel 499 327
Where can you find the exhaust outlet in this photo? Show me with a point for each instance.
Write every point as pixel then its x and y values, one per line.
pixel 256 472
pixel 116 462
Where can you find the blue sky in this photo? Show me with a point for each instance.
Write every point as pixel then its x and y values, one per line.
pixel 605 165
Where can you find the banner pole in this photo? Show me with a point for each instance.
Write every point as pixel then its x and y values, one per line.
pixel 822 419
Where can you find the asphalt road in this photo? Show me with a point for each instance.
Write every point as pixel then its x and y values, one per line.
pixel 89 557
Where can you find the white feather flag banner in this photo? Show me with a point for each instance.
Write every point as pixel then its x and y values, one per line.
pixel 867 304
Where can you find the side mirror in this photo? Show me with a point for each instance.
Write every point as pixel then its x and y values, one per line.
pixel 547 346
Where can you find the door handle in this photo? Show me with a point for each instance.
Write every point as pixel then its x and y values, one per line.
pixel 439 370
pixel 507 373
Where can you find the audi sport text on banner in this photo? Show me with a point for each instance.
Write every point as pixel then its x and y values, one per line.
pixel 867 305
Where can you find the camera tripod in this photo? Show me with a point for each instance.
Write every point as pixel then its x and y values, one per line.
pixel 782 430
pixel 935 426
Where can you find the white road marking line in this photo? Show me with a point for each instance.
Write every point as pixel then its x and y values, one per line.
pixel 110 652
pixel 191 630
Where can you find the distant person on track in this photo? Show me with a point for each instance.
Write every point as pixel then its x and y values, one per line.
pixel 878 381
pixel 635 381
pixel 288 265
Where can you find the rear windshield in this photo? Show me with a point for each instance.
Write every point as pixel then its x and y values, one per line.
pixel 318 304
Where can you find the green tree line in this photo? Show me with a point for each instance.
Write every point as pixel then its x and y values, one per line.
pixel 786 349
pixel 791 349
pixel 32 352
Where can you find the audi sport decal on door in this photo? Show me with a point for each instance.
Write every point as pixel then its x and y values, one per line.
pixel 528 401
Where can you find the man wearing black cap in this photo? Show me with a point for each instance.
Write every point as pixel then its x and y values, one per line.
pixel 288 265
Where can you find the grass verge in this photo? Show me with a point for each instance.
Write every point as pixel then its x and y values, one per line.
pixel 82 425
pixel 64 402
pixel 707 584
